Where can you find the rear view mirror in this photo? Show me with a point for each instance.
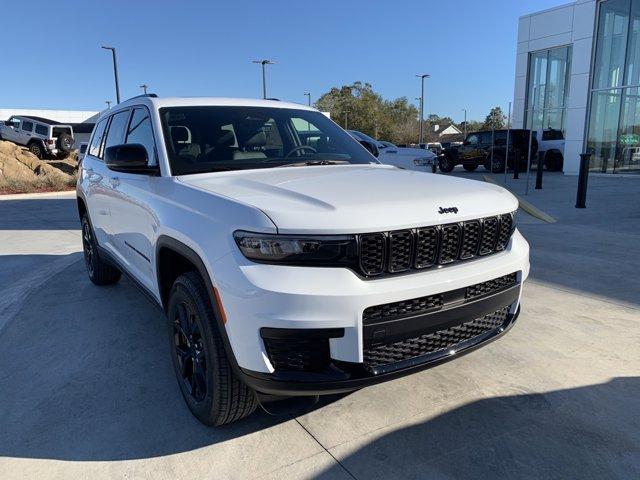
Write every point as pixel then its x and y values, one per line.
pixel 129 158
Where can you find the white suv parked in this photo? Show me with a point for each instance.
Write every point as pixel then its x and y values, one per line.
pixel 287 269
pixel 43 137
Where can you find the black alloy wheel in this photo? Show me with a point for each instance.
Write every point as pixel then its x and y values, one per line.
pixel 100 272
pixel 188 347
pixel 36 150
pixel 87 247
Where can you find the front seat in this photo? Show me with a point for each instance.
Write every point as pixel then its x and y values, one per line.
pixel 179 138
pixel 250 147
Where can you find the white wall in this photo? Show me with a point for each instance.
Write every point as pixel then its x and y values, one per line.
pixel 571 24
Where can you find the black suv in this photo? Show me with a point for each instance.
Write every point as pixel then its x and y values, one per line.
pixel 478 147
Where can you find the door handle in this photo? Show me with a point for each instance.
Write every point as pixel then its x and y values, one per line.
pixel 114 181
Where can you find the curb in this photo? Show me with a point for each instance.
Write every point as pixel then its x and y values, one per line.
pixel 526 206
pixel 18 196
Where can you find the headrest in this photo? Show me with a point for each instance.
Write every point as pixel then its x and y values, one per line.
pixel 258 140
pixel 226 139
pixel 179 134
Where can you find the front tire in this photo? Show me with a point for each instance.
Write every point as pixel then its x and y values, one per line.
pixel 446 164
pixel 99 272
pixel 207 382
pixel 470 167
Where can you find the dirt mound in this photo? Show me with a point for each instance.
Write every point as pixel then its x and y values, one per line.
pixel 21 171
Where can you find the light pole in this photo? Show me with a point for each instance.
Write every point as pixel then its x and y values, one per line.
pixel 144 87
pixel 115 71
pixel 308 95
pixel 422 76
pixel 264 76
pixel 108 102
pixel 465 122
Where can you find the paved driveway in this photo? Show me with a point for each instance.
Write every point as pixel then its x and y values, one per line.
pixel 87 389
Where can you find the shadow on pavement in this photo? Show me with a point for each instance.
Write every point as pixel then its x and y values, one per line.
pixel 85 375
pixel 39 214
pixel 588 432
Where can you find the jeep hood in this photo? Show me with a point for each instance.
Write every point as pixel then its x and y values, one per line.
pixel 355 198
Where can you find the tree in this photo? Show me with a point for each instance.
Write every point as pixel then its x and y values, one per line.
pixel 358 107
pixel 495 119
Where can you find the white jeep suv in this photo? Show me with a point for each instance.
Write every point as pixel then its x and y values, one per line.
pixel 285 268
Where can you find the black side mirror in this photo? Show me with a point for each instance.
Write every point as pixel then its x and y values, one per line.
pixel 373 149
pixel 129 158
pixel 8 123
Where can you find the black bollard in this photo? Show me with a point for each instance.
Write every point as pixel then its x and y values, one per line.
pixel 516 165
pixel 583 176
pixel 539 170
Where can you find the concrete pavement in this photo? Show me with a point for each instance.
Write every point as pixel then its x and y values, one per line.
pixel 87 389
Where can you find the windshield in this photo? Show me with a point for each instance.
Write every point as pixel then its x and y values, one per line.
pixel 218 138
pixel 364 136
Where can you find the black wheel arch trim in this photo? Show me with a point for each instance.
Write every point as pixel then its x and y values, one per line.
pixel 177 246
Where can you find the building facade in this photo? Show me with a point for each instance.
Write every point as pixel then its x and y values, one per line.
pixel 578 72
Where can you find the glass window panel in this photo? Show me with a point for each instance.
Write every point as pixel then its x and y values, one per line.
pixel 547 88
pixel 628 160
pixel 603 129
pixel 611 43
pixel 555 91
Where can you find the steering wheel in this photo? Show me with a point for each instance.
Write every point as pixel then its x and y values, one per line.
pixel 299 148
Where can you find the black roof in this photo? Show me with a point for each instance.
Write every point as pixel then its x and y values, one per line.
pixel 41 119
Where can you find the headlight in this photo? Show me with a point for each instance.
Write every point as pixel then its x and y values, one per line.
pixel 421 162
pixel 321 250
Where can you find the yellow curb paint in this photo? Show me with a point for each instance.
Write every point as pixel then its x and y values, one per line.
pixel 526 206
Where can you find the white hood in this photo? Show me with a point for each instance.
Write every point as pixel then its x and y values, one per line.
pixel 355 198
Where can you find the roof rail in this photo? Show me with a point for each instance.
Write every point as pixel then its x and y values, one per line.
pixel 149 95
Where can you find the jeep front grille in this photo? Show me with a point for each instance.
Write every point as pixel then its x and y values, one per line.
pixel 418 248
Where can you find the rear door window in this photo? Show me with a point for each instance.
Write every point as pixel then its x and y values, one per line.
pixel 96 139
pixel 27 126
pixel 140 131
pixel 115 135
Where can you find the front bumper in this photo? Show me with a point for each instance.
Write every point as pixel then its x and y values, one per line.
pixel 341 377
pixel 260 296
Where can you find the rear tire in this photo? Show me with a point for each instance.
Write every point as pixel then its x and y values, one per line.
pixel 207 382
pixel 470 167
pixel 554 161
pixel 99 272
pixel 37 150
pixel 446 164
pixel 498 165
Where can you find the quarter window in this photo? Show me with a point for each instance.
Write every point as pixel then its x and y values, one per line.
pixel 42 130
pixel 140 131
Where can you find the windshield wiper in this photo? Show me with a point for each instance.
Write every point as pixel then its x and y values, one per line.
pixel 311 163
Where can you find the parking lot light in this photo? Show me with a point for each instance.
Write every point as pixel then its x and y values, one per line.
pixel 422 76
pixel 264 63
pixel 115 71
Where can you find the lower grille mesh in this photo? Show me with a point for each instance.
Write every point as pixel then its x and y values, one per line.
pixel 438 341
pixel 297 354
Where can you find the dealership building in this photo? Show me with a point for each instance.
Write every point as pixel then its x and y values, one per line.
pixel 578 72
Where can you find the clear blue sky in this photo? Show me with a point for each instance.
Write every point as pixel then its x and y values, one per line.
pixel 52 58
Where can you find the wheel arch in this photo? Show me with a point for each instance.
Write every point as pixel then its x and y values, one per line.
pixel 168 248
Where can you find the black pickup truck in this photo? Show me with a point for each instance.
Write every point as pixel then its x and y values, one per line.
pixel 478 147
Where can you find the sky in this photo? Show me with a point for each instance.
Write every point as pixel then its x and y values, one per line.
pixel 193 48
